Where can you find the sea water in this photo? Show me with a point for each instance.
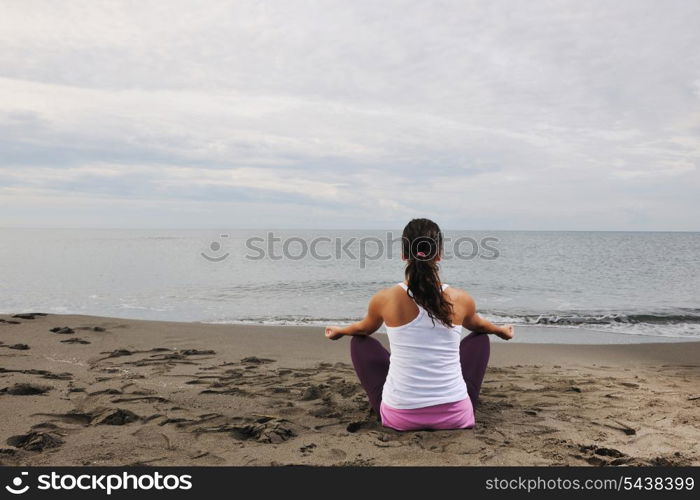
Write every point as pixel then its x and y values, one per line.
pixel 644 285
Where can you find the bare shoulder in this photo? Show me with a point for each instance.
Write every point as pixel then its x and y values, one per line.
pixel 380 301
pixel 385 294
pixel 461 298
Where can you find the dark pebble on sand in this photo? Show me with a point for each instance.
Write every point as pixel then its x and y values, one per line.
pixel 254 360
pixel 62 330
pixel 609 452
pixel 355 426
pixel 74 340
pixel 118 353
pixel 307 448
pixel 98 329
pixel 112 391
pixel 55 376
pixel 24 389
pixel 115 417
pixel 193 352
pixel 24 316
pixel 19 347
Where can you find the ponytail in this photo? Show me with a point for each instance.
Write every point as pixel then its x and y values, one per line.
pixel 421 245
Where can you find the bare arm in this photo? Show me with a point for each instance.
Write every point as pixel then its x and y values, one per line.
pixel 366 326
pixel 475 323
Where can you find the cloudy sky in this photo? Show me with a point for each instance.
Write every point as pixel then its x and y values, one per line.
pixel 350 114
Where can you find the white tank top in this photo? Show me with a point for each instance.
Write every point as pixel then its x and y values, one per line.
pixel 424 369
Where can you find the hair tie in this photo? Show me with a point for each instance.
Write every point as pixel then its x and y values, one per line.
pixel 421 254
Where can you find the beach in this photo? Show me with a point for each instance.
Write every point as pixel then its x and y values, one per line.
pixel 107 391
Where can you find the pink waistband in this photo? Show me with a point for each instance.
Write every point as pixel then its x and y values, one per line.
pixel 456 415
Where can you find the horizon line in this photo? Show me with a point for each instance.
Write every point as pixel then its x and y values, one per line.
pixel 222 228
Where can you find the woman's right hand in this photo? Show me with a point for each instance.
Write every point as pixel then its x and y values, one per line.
pixel 333 332
pixel 506 332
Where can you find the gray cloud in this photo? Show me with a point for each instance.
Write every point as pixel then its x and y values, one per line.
pixel 499 114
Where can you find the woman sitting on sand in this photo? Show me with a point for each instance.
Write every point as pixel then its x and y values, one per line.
pixel 430 380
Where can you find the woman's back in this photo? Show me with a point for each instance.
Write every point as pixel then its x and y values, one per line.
pixel 422 383
pixel 425 361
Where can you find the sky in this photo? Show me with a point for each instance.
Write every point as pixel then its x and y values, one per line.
pixel 543 115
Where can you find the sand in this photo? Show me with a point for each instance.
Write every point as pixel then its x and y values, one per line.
pixel 104 391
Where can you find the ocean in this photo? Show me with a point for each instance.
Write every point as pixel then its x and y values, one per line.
pixel 642 285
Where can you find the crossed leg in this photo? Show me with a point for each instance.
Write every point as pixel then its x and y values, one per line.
pixel 371 361
pixel 474 353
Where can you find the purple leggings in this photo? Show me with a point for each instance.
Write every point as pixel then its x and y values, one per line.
pixel 371 361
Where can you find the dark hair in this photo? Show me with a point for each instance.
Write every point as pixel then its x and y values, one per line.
pixel 421 244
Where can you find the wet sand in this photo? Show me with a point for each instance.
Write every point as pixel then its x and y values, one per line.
pixel 104 391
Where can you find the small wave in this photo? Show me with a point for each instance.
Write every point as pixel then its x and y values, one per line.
pixel 577 318
pixel 677 323
pixel 287 320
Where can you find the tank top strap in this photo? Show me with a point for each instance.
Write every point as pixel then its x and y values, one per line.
pixel 408 292
pixel 405 286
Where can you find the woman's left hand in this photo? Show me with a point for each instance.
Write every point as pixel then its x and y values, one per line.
pixel 506 332
pixel 333 332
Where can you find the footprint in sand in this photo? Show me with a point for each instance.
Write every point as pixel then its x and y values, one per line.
pixel 274 432
pixel 312 392
pixel 263 429
pixel 35 441
pixel 153 438
pixel 335 454
pixel 42 373
pixel 229 391
pixel 99 416
pixel 325 411
pixel 604 456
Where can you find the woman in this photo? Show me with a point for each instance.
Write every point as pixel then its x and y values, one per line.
pixel 431 380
